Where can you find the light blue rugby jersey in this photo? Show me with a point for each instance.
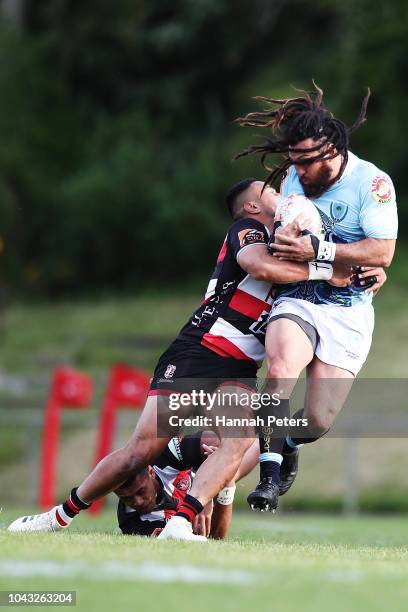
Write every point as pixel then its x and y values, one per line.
pixel 361 204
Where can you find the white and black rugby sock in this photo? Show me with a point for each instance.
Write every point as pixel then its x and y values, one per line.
pixel 270 444
pixel 72 506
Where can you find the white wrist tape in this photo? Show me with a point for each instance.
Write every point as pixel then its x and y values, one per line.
pixel 327 251
pixel 226 496
pixel 319 270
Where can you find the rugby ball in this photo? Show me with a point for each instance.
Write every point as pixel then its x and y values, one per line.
pixel 295 204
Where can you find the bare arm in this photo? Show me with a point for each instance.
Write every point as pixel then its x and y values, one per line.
pixel 221 521
pixel 257 261
pixel 367 252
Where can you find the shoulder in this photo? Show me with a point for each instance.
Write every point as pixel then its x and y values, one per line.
pixel 373 182
pixel 246 223
pixel 366 171
pixel 191 451
pixel 247 231
pixel 180 454
pixel 172 456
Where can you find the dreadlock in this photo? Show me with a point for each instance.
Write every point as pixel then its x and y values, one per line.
pixel 292 120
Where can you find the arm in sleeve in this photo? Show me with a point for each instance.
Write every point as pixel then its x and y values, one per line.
pixel 378 213
pixel 249 239
pixel 245 233
pixel 379 222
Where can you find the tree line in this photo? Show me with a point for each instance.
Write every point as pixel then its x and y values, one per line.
pixel 117 133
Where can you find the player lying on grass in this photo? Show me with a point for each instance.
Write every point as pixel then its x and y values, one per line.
pixel 152 496
pixel 313 324
pixel 222 342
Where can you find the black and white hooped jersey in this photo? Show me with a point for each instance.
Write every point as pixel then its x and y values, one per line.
pixel 231 321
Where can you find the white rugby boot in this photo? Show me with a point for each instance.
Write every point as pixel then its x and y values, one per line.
pixel 47 521
pixel 179 528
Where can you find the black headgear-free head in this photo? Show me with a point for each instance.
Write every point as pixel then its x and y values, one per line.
pixel 292 120
pixel 233 193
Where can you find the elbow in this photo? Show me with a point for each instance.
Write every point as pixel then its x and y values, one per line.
pixel 259 273
pixel 385 261
pixel 268 273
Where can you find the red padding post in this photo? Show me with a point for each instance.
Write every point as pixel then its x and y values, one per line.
pixel 70 389
pixel 127 387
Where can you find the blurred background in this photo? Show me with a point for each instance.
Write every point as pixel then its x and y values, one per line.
pixel 116 147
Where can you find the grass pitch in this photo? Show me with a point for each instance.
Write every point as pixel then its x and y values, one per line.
pixel 273 563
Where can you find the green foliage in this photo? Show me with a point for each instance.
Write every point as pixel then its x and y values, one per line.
pixel 116 132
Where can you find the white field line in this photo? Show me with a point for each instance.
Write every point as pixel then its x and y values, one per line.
pixel 118 570
pixel 346 576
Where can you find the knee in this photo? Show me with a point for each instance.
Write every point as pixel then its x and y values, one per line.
pixel 279 369
pixel 134 456
pixel 319 424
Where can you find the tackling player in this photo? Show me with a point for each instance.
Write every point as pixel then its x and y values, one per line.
pixel 222 341
pixel 357 203
pixel 152 496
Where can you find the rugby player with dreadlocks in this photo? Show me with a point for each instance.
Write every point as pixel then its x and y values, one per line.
pixel 357 203
pixel 221 348
pixel 222 341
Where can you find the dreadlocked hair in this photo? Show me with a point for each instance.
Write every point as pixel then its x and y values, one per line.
pixel 292 120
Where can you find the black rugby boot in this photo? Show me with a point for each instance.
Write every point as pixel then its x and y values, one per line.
pixel 288 470
pixel 265 496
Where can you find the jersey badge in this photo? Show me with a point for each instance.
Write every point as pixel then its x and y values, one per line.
pixel 338 211
pixel 381 189
pixel 170 371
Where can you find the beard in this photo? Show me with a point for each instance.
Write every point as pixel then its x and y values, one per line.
pixel 316 187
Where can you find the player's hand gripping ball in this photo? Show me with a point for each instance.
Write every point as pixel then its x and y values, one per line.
pixel 299 208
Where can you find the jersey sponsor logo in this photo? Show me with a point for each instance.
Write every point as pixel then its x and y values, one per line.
pixel 338 211
pixel 170 371
pixel 381 189
pixel 250 236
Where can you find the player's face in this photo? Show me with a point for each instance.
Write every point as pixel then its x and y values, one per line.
pixel 316 176
pixel 267 197
pixel 141 493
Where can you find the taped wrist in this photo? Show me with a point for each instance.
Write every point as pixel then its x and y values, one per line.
pixel 323 249
pixel 319 270
pixel 226 496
